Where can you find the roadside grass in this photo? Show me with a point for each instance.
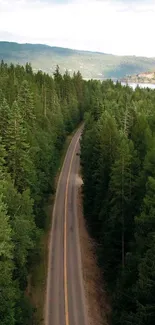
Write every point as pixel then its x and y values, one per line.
pixel 37 278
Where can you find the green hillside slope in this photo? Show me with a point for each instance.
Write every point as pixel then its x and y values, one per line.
pixel 90 64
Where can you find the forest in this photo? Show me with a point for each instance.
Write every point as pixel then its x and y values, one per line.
pixel 118 167
pixel 37 112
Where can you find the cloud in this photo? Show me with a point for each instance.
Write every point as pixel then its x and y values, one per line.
pixel 112 26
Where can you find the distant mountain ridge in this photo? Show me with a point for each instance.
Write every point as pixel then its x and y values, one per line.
pixel 90 64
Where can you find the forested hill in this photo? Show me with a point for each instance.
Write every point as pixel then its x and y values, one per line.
pixel 36 114
pixel 90 64
pixel 118 166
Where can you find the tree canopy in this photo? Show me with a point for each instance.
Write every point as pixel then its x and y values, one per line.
pixel 117 158
pixel 37 112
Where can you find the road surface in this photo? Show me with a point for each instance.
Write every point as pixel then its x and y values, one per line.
pixel 65 299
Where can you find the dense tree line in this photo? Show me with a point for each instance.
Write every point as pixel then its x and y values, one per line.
pixel 36 114
pixel 118 166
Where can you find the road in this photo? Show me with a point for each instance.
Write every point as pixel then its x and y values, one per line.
pixel 65 299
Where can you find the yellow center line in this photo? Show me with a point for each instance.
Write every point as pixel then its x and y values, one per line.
pixel 65 240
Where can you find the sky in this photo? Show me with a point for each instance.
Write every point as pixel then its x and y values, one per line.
pixel 122 27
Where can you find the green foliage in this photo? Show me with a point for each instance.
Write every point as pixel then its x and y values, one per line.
pixel 117 158
pixel 6 266
pixel 34 123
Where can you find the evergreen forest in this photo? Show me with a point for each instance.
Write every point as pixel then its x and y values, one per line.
pixel 37 112
pixel 118 166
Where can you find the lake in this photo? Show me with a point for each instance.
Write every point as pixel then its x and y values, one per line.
pixel 131 84
pixel 141 85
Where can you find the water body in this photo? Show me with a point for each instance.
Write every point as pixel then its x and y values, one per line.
pixel 131 84
pixel 141 85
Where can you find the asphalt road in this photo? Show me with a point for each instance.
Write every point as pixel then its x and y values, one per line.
pixel 65 299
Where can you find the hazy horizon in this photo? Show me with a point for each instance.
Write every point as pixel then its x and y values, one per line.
pixel 106 26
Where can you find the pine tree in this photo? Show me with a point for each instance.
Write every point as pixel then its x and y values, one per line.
pixel 7 289
pixel 25 103
pixel 4 116
pixel 18 161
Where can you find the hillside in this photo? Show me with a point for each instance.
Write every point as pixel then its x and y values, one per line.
pixel 90 64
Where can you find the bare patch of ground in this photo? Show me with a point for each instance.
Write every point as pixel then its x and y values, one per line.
pixel 97 302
